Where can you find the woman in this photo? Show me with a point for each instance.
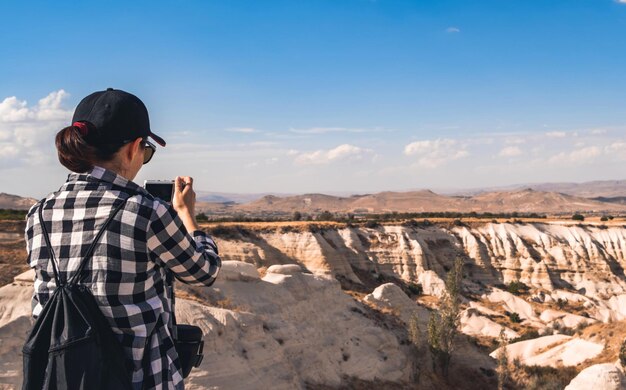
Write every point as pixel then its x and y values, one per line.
pixel 147 242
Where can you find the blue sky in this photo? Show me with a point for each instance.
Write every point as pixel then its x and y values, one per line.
pixel 326 96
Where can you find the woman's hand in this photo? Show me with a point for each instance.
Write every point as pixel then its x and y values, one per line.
pixel 184 202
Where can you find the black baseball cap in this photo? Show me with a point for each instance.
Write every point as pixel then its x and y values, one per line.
pixel 114 116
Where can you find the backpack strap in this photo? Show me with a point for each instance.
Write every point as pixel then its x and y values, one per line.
pixel 57 278
pixel 76 276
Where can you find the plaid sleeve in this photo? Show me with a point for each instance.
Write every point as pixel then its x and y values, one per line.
pixel 28 230
pixel 28 238
pixel 192 258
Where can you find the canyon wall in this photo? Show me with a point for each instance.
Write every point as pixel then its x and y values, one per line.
pixel 586 259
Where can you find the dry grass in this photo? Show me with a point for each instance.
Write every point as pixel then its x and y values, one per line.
pixel 611 335
pixel 300 226
pixel 541 378
pixel 13 259
pixel 303 226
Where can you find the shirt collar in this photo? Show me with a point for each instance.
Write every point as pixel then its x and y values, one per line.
pixel 102 174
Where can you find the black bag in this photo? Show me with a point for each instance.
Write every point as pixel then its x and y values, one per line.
pixel 189 345
pixel 187 338
pixel 71 345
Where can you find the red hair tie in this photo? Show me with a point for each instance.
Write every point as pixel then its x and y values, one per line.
pixel 82 126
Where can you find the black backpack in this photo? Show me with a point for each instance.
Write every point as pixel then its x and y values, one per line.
pixel 71 345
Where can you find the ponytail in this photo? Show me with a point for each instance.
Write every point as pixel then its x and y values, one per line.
pixel 76 153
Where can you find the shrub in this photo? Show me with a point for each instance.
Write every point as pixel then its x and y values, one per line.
pixel 562 329
pixel 415 334
pixel 581 326
pixel 502 364
pixel 548 378
pixel 314 228
pixel 458 222
pixel 622 354
pixel 297 216
pixel 529 335
pixel 325 216
pixel 410 223
pixel 516 287
pixel 10 214
pixel 515 318
pixel 415 288
pixel 233 232
pixel 604 218
pixel 443 323
pixel 578 217
pixel 372 224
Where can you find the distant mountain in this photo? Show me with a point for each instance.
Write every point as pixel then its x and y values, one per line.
pixel 551 198
pixel 306 202
pixel 590 189
pixel 225 197
pixel 524 201
pixel 530 200
pixel 616 199
pixel 8 201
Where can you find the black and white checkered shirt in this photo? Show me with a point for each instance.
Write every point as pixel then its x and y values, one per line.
pixel 131 271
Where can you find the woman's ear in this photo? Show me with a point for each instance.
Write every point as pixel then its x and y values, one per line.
pixel 133 148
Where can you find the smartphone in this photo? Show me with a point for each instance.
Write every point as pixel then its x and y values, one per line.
pixel 162 189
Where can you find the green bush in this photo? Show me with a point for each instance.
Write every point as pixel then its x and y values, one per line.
pixel 415 288
pixel 548 378
pixel 578 217
pixel 516 287
pixel 325 216
pixel 10 214
pixel 528 335
pixel 372 224
pixel 622 353
pixel 515 318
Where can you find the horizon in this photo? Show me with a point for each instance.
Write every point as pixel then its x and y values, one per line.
pixel 450 192
pixel 328 97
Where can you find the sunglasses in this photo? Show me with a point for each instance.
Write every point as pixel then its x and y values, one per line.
pixel 148 151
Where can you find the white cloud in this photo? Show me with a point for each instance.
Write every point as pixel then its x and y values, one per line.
pixel 510 151
pixel 345 152
pixel 323 130
pixel 453 30
pixel 600 131
pixel 242 130
pixel 13 110
pixel 49 108
pixel 514 141
pixel 556 134
pixel 258 144
pixel 434 153
pixel 617 148
pixel 576 156
pixel 27 132
pixel 617 145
